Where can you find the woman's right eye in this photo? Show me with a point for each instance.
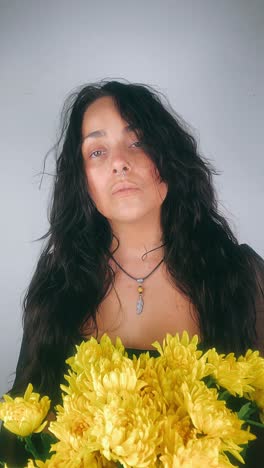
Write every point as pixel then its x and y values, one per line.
pixel 96 154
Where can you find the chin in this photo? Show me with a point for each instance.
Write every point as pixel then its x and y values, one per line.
pixel 126 219
pixel 131 216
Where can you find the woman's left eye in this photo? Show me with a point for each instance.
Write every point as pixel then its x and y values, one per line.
pixel 137 144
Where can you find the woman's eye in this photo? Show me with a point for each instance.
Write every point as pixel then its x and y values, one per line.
pixel 137 144
pixel 96 153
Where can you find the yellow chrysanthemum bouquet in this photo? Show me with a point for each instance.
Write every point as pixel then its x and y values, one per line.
pixel 182 408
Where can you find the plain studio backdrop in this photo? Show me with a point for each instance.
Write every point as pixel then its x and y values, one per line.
pixel 205 55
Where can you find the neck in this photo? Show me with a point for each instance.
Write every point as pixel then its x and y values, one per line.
pixel 136 239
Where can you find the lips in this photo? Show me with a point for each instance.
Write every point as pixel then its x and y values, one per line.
pixel 124 187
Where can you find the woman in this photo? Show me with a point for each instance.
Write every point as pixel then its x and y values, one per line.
pixel 136 247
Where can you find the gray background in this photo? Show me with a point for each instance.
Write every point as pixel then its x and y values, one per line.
pixel 206 56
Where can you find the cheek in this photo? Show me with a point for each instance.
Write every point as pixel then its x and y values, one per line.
pixel 154 172
pixel 95 187
pixel 160 186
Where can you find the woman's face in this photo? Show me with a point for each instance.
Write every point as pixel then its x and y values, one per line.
pixel 122 180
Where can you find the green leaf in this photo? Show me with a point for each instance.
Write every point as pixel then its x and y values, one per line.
pixel 246 411
pixel 225 395
pixel 209 381
pixel 47 440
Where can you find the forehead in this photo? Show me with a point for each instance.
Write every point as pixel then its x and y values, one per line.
pixel 103 116
pixel 101 104
pixel 100 111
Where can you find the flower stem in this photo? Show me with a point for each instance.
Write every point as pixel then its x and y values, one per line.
pixel 30 447
pixel 254 423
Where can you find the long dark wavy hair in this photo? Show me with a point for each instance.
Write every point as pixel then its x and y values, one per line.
pixel 73 274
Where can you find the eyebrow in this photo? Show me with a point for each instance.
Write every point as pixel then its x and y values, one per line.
pixel 100 133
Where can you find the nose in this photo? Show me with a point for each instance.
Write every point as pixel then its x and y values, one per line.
pixel 123 170
pixel 120 161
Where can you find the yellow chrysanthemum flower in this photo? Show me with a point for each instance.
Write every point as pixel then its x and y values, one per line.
pixel 258 397
pixel 116 380
pixel 152 390
pixel 88 353
pixel 24 415
pixel 66 457
pixel 181 356
pixel 98 399
pixel 126 429
pixel 255 365
pixel 98 368
pixel 37 464
pixel 234 375
pixel 152 412
pixel 212 419
pixel 30 464
pixel 176 430
pixel 196 454
pixel 71 428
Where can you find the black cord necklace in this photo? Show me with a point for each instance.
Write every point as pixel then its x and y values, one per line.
pixel 140 301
